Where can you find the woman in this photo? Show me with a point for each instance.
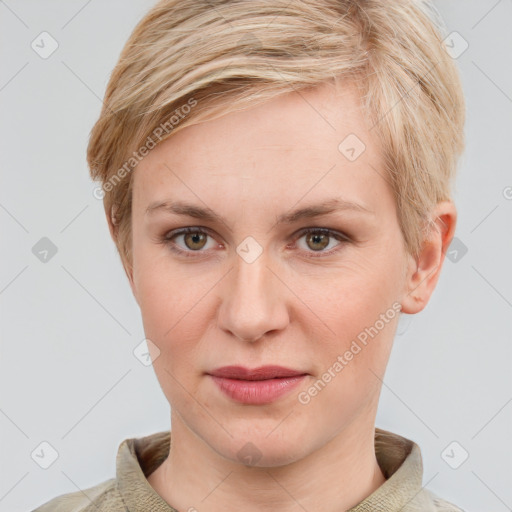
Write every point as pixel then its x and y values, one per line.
pixel 276 177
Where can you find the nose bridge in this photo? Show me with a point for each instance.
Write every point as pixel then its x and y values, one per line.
pixel 251 276
pixel 251 302
pixel 251 281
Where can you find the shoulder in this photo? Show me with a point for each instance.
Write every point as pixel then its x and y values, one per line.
pixel 427 501
pixel 136 458
pixel 445 506
pixel 99 498
pixel 441 505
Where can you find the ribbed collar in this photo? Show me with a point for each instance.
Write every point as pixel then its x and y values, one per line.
pixel 398 457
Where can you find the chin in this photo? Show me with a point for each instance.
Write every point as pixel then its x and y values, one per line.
pixel 263 446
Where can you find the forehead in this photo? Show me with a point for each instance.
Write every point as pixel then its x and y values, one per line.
pixel 283 146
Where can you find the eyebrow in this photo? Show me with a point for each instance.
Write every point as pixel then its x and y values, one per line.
pixel 204 213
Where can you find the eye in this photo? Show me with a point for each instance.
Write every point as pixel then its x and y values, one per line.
pixel 194 240
pixel 318 239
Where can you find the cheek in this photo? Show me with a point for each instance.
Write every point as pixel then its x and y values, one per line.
pixel 351 368
pixel 361 311
pixel 174 308
pixel 164 293
pixel 351 296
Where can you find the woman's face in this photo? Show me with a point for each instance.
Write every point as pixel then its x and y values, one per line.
pixel 251 289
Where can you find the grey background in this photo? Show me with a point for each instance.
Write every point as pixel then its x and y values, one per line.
pixel 68 375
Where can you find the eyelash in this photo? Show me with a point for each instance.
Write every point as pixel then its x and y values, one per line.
pixel 167 240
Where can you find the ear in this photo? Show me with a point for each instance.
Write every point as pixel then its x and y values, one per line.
pixel 423 272
pixel 112 227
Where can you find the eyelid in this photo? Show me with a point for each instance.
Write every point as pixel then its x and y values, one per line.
pixel 167 240
pixel 333 233
pixel 320 229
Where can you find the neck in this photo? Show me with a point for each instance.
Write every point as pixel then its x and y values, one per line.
pixel 334 478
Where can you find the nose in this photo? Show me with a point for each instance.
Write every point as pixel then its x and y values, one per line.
pixel 254 300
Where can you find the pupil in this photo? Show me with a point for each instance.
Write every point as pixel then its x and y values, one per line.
pixel 317 240
pixel 195 238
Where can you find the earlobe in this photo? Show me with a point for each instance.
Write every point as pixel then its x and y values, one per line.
pixel 423 272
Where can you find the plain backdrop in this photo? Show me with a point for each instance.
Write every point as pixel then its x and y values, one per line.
pixel 69 323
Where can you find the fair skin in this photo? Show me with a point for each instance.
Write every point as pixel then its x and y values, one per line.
pixel 294 305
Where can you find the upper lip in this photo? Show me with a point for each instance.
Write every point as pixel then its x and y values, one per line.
pixel 260 373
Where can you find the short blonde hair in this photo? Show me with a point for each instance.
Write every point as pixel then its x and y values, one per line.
pixel 187 62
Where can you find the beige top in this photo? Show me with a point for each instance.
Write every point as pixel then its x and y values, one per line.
pixel 398 457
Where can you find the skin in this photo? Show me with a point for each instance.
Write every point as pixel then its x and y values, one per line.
pixel 286 307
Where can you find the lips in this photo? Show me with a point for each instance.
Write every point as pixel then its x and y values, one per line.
pixel 257 386
pixel 260 373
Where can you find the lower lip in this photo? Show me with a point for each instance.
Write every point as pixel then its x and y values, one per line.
pixel 257 392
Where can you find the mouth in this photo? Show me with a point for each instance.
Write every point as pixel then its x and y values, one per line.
pixel 256 386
